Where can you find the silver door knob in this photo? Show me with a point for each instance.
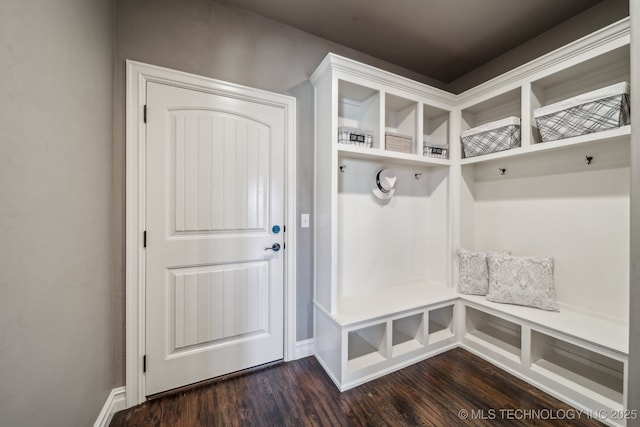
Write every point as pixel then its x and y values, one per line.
pixel 275 247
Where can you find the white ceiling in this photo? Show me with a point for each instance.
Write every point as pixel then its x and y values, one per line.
pixel 441 39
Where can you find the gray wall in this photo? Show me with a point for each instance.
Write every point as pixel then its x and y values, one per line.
pixel 227 43
pixel 634 308
pixel 56 134
pixel 602 14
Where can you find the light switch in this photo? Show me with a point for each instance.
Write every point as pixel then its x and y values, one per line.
pixel 304 220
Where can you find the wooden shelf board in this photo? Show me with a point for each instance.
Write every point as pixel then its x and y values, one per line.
pixel 590 327
pixel 354 151
pixel 598 137
pixel 391 300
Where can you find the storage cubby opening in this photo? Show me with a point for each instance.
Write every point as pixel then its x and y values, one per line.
pixel 593 372
pixel 401 117
pixel 359 107
pixel 435 125
pixel 500 107
pixel 407 334
pixel 367 346
pixel 603 70
pixel 441 324
pixel 502 335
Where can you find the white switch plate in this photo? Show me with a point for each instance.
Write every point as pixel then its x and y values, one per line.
pixel 304 220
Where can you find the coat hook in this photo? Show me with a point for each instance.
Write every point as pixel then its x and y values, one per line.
pixel 502 171
pixel 589 159
pixel 417 175
pixel 342 167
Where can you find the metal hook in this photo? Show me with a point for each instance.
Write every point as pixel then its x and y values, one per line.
pixel 502 171
pixel 417 175
pixel 342 167
pixel 589 159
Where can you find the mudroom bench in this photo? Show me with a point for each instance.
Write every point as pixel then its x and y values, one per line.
pixel 577 356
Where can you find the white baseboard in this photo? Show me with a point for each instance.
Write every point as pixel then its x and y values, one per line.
pixel 115 402
pixel 304 348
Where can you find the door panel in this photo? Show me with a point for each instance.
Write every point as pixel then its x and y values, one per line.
pixel 228 189
pixel 215 187
pixel 215 303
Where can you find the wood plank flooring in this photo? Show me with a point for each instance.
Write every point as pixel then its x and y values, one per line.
pixel 299 393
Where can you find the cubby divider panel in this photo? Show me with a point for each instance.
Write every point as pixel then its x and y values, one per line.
pixel 499 334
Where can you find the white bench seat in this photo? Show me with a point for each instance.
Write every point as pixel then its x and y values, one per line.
pixel 589 327
pixel 391 299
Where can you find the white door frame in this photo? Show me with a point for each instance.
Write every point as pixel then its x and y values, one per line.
pixel 138 74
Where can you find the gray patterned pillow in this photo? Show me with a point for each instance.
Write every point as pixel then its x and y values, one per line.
pixel 474 275
pixel 522 280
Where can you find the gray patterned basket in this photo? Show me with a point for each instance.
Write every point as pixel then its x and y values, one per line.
pixel 602 109
pixel 491 137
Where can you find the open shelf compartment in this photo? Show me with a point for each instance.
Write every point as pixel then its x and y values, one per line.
pixel 500 335
pixel 435 128
pixel 441 325
pixel 366 346
pixel 407 334
pixel 593 374
pixel 496 108
pixel 401 117
pixel 359 107
pixel 596 73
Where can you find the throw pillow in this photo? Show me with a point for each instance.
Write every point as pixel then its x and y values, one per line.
pixel 522 280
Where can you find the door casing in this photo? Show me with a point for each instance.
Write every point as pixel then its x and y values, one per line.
pixel 138 75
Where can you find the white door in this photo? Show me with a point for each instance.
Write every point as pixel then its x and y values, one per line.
pixel 215 191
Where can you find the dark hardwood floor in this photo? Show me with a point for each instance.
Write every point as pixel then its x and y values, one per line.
pixel 433 392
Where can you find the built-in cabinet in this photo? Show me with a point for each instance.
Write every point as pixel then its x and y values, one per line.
pixel 385 271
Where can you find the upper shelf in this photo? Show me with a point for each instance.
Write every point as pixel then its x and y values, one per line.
pixel 356 152
pixel 607 136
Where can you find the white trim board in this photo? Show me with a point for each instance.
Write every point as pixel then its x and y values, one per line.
pixel 115 402
pixel 305 348
pixel 138 75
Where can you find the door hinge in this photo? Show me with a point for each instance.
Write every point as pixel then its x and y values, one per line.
pixel 144 363
pixel 144 239
pixel 144 114
pixel 284 228
pixel 284 246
